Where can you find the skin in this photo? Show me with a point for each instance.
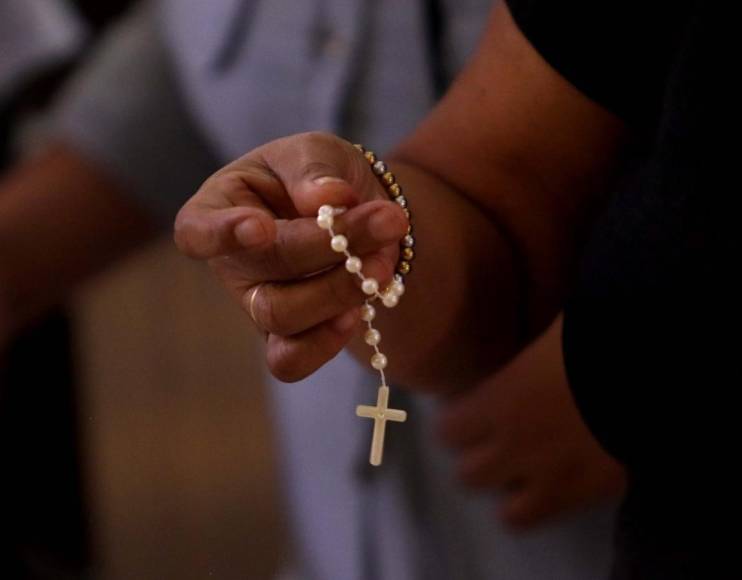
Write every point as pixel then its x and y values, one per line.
pixel 499 193
pixel 527 407
pixel 504 179
pixel 516 186
pixel 62 219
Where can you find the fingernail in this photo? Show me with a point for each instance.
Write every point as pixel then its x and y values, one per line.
pixel 384 226
pixel 346 322
pixel 325 179
pixel 250 232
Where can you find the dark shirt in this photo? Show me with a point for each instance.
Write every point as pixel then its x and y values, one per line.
pixel 653 324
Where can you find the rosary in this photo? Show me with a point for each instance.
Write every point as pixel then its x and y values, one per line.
pixel 381 413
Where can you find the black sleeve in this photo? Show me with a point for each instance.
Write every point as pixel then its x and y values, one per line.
pixel 618 53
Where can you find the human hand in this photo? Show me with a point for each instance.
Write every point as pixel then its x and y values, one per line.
pixel 255 223
pixel 520 433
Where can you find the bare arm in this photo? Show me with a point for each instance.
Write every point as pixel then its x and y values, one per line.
pixel 87 200
pixel 503 178
pixel 61 219
pixel 532 156
pixel 523 145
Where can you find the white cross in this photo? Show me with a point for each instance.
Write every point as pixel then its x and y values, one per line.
pixel 381 413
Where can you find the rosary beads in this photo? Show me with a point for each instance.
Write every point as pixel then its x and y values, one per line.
pixel 389 297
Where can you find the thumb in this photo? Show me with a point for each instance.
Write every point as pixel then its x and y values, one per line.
pixel 526 508
pixel 312 192
pixel 320 168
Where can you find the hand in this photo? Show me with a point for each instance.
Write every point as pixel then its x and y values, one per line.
pixel 520 433
pixel 255 222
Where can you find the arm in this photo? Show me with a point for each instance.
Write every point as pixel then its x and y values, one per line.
pixel 530 156
pixel 62 218
pixel 529 151
pixel 519 433
pixel 503 178
pixel 102 188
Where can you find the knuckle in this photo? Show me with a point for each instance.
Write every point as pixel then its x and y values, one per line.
pixel 383 268
pixel 332 147
pixel 222 183
pixel 387 267
pixel 225 188
pixel 313 139
pixel 190 233
pixel 282 363
pixel 477 469
pixel 268 312
pixel 180 235
pixel 278 262
pixel 342 290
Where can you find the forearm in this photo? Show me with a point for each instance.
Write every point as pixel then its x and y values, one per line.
pixel 462 314
pixel 528 158
pixel 61 220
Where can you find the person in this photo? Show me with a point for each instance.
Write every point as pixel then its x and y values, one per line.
pixel 44 529
pixel 566 168
pixel 36 35
pixel 203 82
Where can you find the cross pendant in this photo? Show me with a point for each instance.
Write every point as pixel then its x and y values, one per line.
pixel 381 413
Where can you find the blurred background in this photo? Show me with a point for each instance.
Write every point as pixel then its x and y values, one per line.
pixel 119 457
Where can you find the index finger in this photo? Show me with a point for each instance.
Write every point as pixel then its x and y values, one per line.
pixel 205 226
pixel 236 209
pixel 301 248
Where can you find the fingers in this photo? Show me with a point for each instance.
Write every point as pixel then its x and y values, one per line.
pixel 291 308
pixel 205 234
pixel 319 168
pixel 227 204
pixel 466 420
pixel 485 467
pixel 526 508
pixel 235 208
pixel 288 178
pixel 255 222
pixel 301 248
pixel 293 358
pixel 527 500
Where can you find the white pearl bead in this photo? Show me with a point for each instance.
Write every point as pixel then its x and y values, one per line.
pixel 353 264
pixel 339 243
pixel 326 210
pixel 390 300
pixel 370 286
pixel 397 288
pixel 378 361
pixel 372 337
pixel 368 313
pixel 325 221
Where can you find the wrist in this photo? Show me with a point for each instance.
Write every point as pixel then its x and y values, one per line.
pixel 458 322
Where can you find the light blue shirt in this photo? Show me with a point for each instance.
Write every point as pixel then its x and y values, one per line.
pixel 35 34
pixel 206 81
